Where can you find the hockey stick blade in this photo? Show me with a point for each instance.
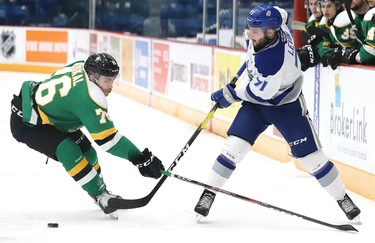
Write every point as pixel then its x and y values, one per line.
pixel 120 203
pixel 343 227
pixel 298 25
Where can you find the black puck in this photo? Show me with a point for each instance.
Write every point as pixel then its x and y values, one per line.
pixel 53 225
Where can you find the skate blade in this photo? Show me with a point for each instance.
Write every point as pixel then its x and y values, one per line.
pixel 113 215
pixel 198 217
pixel 357 220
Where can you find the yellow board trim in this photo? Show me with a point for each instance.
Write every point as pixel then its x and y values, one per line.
pixel 28 68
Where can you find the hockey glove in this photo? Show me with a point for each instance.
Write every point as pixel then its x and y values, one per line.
pixel 332 58
pixel 148 164
pixel 349 55
pixel 16 105
pixel 225 96
pixel 314 40
pixel 308 56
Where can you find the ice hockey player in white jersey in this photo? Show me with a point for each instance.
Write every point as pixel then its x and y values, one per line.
pixel 271 93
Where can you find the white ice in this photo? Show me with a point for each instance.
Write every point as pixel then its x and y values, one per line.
pixel 34 194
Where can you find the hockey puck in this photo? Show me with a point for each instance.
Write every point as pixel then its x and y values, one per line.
pixel 53 225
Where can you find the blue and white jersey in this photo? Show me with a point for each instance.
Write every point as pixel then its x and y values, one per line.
pixel 274 75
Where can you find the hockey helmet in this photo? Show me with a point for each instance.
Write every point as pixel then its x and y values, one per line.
pixel 102 64
pixel 264 16
pixel 308 1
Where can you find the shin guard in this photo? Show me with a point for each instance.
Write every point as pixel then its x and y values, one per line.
pixel 77 166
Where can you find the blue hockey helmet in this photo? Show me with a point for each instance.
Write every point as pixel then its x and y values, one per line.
pixel 102 64
pixel 264 16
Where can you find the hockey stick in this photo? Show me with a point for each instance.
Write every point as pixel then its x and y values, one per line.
pixel 120 203
pixel 349 12
pixel 298 25
pixel 318 31
pixel 343 227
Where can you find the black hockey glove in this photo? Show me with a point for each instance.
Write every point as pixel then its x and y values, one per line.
pixel 349 55
pixel 148 164
pixel 318 31
pixel 16 105
pixel 333 58
pixel 314 40
pixel 308 56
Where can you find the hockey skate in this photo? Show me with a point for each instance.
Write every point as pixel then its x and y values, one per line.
pixel 350 209
pixel 204 204
pixel 102 202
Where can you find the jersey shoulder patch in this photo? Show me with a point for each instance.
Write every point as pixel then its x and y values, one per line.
pixel 312 18
pixel 342 19
pixel 368 16
pixel 96 94
pixel 323 21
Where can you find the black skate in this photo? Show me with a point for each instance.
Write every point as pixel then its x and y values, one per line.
pixel 350 209
pixel 204 204
pixel 102 202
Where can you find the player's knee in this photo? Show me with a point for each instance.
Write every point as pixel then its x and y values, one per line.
pixel 80 139
pixel 91 155
pixel 235 149
pixel 314 161
pixel 68 152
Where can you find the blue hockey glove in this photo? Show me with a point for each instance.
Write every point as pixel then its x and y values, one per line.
pixel 225 96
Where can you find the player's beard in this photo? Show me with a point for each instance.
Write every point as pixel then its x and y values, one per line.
pixel 261 43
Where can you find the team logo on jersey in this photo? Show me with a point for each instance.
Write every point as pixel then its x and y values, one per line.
pixel 7 44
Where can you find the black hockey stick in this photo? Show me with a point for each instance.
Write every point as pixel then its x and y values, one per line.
pixel 344 227
pixel 349 12
pixel 318 31
pixel 141 202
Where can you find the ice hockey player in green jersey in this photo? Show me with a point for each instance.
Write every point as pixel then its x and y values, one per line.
pixel 47 116
pixel 316 14
pixel 366 53
pixel 308 53
pixel 342 33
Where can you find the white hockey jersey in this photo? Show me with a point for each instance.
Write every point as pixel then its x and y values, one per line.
pixel 274 75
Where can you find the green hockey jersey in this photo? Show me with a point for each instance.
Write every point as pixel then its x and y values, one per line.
pixel 68 100
pixel 367 51
pixel 342 33
pixel 312 21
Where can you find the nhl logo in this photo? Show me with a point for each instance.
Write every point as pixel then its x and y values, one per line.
pixel 7 44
